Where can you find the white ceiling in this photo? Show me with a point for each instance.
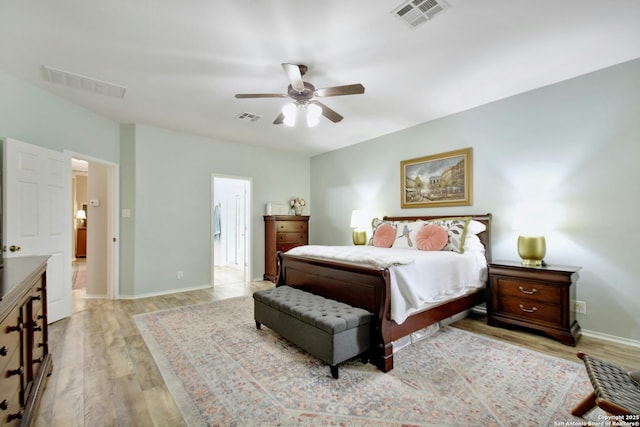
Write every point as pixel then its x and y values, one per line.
pixel 183 61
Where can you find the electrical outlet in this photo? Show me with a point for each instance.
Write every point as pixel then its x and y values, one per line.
pixel 580 307
pixel 180 274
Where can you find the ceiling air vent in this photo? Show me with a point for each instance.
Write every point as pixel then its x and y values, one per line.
pixel 416 12
pixel 77 81
pixel 248 116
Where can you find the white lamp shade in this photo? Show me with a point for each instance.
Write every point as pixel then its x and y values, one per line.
pixel 81 214
pixel 360 219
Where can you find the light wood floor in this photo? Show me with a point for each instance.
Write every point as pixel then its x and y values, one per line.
pixel 104 375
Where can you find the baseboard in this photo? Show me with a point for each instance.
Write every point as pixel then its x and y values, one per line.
pixel 610 338
pixel 168 292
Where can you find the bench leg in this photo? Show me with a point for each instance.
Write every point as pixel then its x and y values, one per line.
pixel 587 404
pixel 257 325
pixel 334 371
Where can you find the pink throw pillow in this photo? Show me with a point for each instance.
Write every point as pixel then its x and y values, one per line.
pixel 432 237
pixel 384 236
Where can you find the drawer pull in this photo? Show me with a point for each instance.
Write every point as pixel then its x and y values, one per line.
pixel 3 350
pixel 528 310
pixel 38 360
pixel 12 372
pixel 4 405
pixel 36 298
pixel 527 292
pixel 36 327
pixel 17 416
pixel 17 328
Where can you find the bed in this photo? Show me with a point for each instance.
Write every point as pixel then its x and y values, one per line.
pixel 369 287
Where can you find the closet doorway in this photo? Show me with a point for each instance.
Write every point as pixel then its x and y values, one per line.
pixel 230 230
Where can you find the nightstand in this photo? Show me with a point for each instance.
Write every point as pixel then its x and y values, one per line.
pixel 536 298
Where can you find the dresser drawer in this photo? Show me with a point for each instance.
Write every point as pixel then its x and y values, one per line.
pixel 292 237
pixel 10 377
pixel 286 226
pixel 532 311
pixel 12 415
pixel 530 290
pixel 8 338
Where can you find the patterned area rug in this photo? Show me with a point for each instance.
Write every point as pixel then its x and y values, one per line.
pixel 221 370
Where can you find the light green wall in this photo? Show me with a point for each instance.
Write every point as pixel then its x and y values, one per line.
pixel 172 185
pixel 572 145
pixel 37 117
pixel 164 181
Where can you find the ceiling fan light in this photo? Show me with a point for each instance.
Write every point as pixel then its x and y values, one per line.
pixel 313 115
pixel 289 112
pixel 314 111
pixel 312 121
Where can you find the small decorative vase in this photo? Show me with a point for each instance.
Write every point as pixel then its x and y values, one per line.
pixel 297 210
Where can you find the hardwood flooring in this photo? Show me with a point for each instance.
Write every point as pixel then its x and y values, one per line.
pixel 104 375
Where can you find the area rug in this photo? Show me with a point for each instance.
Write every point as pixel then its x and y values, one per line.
pixel 221 370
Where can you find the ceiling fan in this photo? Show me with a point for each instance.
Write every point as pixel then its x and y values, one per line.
pixel 303 94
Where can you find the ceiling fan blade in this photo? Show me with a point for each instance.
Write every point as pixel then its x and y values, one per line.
pixel 328 112
pixel 261 95
pixel 294 75
pixel 279 120
pixel 354 89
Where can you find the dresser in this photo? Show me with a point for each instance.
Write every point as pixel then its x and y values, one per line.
pixel 81 242
pixel 536 298
pixel 281 233
pixel 25 362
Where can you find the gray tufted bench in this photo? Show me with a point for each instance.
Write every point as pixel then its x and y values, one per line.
pixel 328 329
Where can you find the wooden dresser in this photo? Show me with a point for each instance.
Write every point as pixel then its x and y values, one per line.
pixel 81 242
pixel 281 233
pixel 537 298
pixel 25 362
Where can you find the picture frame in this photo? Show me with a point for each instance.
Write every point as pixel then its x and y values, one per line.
pixel 443 179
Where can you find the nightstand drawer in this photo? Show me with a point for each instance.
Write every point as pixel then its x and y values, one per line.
pixel 531 310
pixel 529 290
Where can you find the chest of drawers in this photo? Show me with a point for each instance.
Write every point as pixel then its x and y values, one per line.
pixel 25 361
pixel 536 298
pixel 282 232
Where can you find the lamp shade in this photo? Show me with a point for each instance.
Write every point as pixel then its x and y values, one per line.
pixel 360 219
pixel 81 214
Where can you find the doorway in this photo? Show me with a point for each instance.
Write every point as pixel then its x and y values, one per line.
pixel 230 230
pixel 95 223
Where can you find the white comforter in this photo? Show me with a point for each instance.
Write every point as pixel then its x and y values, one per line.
pixel 419 279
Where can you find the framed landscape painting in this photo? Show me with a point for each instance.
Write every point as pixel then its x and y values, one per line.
pixel 439 180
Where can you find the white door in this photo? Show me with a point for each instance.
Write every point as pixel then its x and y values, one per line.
pixel 37 200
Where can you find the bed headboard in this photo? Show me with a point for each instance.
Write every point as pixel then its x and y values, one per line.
pixel 485 236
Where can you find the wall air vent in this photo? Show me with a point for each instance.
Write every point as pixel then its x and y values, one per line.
pixel 77 81
pixel 416 12
pixel 248 116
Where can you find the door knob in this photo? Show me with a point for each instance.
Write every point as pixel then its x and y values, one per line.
pixel 14 248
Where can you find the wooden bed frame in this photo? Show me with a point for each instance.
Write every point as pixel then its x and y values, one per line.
pixel 369 288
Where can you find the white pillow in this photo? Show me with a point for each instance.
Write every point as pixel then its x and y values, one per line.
pixel 475 227
pixel 472 243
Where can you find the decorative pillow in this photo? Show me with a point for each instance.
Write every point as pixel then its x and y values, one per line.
pixel 457 230
pixel 384 236
pixel 375 224
pixel 432 237
pixel 406 233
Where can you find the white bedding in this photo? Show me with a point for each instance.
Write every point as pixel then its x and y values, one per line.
pixel 419 279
